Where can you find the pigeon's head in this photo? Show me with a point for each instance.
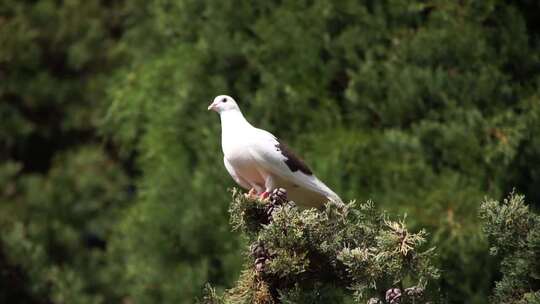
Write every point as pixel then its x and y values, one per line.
pixel 223 103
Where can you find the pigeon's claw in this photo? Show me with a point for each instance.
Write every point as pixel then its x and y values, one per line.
pixel 252 193
pixel 265 195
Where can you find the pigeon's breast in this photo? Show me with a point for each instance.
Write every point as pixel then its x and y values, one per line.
pixel 237 154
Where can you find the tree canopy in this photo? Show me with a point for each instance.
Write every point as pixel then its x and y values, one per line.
pixel 113 188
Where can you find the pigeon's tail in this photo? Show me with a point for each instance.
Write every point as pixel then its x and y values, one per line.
pixel 327 192
pixel 332 196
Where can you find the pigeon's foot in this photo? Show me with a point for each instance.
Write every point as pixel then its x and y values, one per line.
pixel 252 193
pixel 265 195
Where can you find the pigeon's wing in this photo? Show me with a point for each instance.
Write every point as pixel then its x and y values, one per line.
pixel 276 157
pixel 237 178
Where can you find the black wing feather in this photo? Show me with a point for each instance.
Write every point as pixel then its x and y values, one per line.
pixel 292 161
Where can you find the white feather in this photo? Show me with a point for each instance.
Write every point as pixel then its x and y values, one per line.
pixel 255 159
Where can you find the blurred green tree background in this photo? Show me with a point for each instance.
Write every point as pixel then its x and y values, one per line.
pixel 113 189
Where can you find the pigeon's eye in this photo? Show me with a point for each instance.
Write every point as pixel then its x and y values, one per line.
pixel 224 100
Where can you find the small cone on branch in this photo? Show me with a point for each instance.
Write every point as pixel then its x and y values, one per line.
pixel 261 255
pixel 374 301
pixel 414 292
pixel 393 296
pixel 277 198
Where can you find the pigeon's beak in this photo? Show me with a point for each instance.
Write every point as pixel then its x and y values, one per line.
pixel 211 107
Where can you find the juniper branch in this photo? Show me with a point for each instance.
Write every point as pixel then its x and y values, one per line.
pixel 303 256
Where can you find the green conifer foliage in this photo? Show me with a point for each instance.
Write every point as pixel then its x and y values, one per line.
pixel 112 184
pixel 321 256
pixel 424 107
pixel 513 232
pixel 62 184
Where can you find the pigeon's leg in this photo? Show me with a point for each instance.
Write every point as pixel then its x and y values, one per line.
pixel 254 189
pixel 257 189
pixel 269 185
pixel 252 193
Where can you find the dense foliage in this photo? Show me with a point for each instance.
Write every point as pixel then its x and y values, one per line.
pixel 63 186
pixel 514 234
pixel 113 187
pixel 321 256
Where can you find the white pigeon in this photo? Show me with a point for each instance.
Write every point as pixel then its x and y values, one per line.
pixel 258 161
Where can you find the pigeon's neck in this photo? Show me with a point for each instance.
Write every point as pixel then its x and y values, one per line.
pixel 233 121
